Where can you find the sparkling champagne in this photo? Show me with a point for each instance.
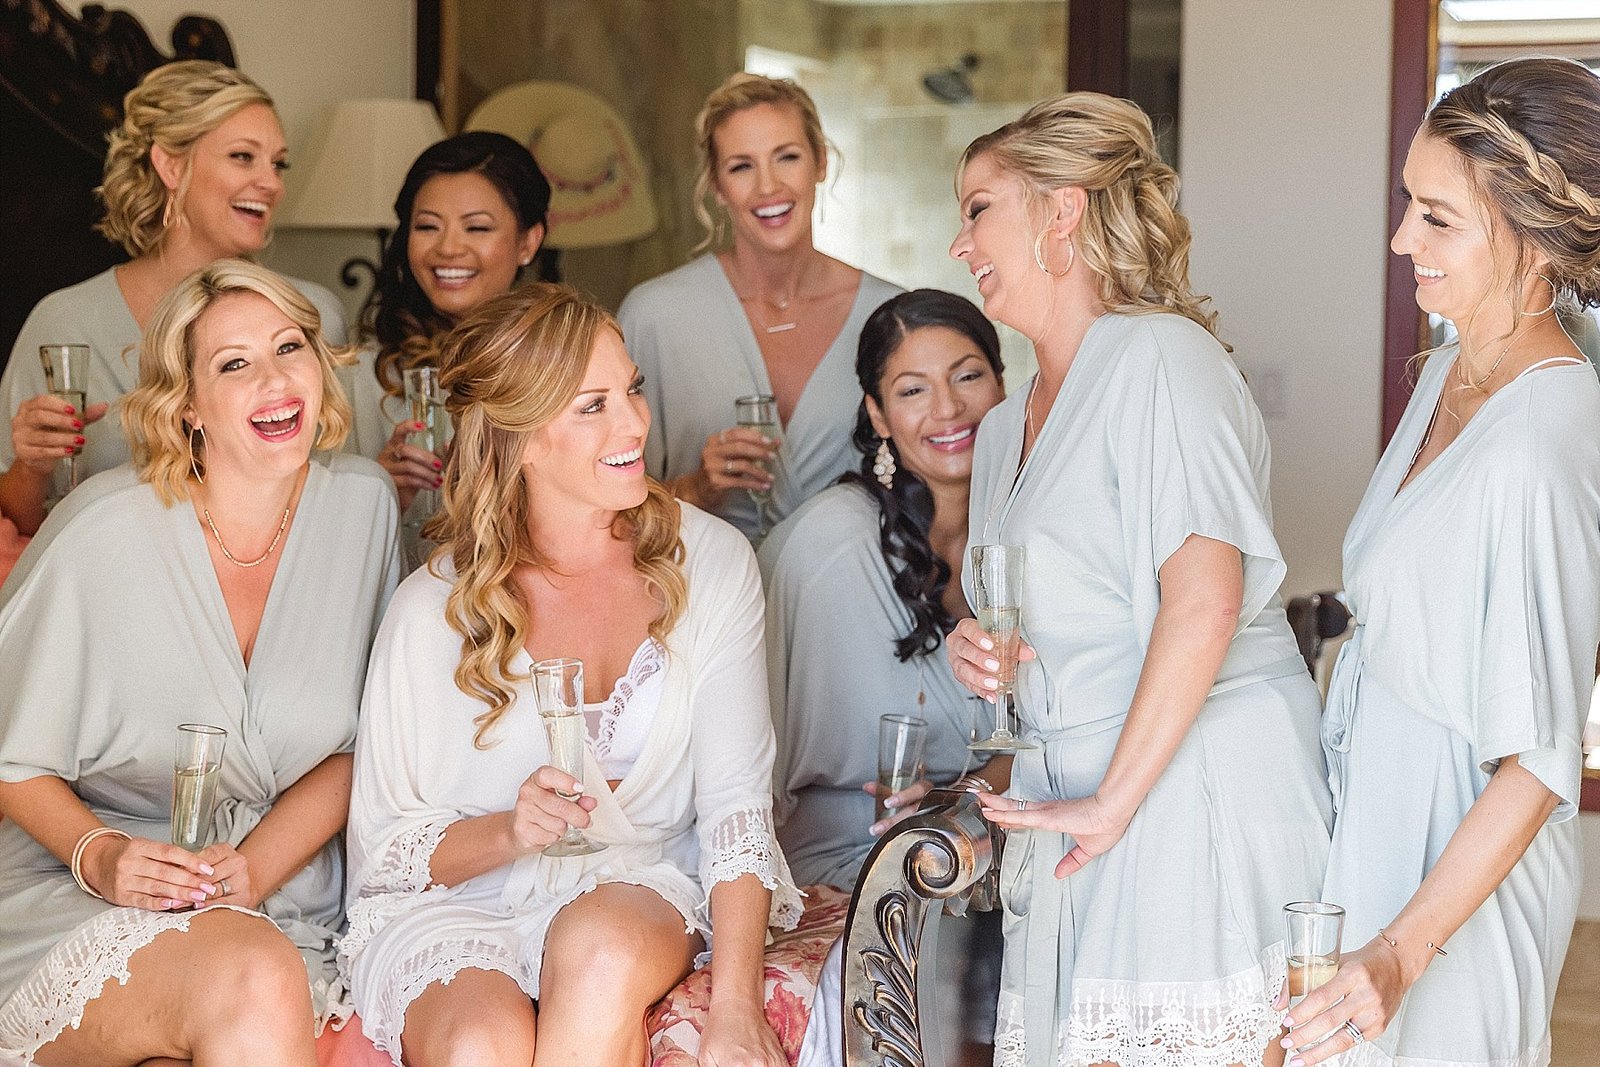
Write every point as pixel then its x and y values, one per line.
pixel 435 421
pixel 566 743
pixel 887 785
pixel 1002 624
pixel 76 397
pixel 772 432
pixel 1307 973
pixel 194 799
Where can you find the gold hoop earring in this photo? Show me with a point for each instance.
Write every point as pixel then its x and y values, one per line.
pixel 1555 295
pixel 883 465
pixel 194 465
pixel 1038 255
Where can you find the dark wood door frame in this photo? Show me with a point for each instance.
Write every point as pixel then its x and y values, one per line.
pixel 1410 92
pixel 1097 46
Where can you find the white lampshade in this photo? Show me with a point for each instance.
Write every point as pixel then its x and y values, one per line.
pixel 354 168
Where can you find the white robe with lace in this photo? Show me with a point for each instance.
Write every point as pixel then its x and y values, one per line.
pixel 695 810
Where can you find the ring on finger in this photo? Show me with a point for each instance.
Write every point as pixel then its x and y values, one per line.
pixel 1354 1031
pixel 227 890
pixel 1022 805
pixel 727 468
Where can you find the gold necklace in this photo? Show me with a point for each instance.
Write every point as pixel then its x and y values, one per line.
pixel 229 556
pixel 1478 386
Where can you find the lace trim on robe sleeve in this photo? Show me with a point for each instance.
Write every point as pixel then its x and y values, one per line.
pixel 405 864
pixel 743 843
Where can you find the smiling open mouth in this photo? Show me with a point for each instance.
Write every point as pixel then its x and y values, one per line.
pixel 278 423
pixel 454 275
pixel 256 209
pixel 623 459
pixel 983 272
pixel 774 212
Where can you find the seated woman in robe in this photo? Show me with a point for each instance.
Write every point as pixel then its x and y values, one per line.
pixel 468 943
pixel 863 582
pixel 227 576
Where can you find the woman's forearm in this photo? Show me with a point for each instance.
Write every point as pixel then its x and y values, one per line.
pixel 302 820
pixel 739 911
pixel 473 846
pixel 1202 588
pixel 49 812
pixel 1495 834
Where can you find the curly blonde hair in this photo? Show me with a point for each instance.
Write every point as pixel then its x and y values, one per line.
pixel 739 92
pixel 511 367
pixel 173 106
pixel 1528 132
pixel 1132 235
pixel 165 451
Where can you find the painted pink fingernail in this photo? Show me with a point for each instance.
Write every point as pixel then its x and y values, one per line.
pixel 208 889
pixel 205 869
pixel 1291 1024
pixel 986 644
pixel 197 896
pixel 169 904
pixel 991 664
pixel 1297 1062
pixel 991 683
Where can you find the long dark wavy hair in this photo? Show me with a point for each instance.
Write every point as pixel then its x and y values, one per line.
pixel 398 314
pixel 920 574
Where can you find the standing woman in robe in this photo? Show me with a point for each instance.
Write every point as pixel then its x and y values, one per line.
pixel 1176 799
pixel 1473 568
pixel 472 216
pixel 769 314
pixel 226 576
pixel 192 175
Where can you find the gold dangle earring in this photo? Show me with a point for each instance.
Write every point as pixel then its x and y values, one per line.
pixel 194 465
pixel 1038 255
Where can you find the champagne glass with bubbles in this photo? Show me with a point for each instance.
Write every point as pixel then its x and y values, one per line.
pixel 760 413
pixel 66 377
pixel 558 691
pixel 196 769
pixel 1315 929
pixel 997 595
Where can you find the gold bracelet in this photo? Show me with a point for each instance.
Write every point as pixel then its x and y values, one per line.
pixel 1392 943
pixel 84 842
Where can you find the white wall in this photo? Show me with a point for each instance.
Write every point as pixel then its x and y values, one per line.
pixel 307 53
pixel 1285 122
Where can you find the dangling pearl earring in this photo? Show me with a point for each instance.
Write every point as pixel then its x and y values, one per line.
pixel 883 467
pixel 199 475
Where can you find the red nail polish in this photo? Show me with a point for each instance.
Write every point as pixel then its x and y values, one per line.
pixel 70 411
pixel 438 466
pixel 437 482
pixel 76 425
pixel 77 440
pixel 68 450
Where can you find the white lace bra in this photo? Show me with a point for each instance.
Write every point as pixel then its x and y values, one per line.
pixel 619 724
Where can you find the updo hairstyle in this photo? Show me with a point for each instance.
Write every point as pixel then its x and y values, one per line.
pixel 1528 131
pixel 173 106
pixel 739 92
pixel 1132 235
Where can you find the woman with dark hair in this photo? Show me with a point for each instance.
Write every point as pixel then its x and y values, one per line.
pixel 472 215
pixel 865 578
pixel 1473 567
pixel 867 573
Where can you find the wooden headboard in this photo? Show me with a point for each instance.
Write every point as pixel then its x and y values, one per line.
pixel 62 79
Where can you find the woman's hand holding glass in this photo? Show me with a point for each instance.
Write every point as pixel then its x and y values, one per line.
pixel 1367 991
pixel 413 469
pixel 230 875
pixel 735 458
pixel 45 428
pixel 972 659
pixel 542 814
pixel 1093 825
pixel 900 805
pixel 153 875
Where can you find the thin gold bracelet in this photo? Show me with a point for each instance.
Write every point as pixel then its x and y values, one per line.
pixel 1392 943
pixel 78 850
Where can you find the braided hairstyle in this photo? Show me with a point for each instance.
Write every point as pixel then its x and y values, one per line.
pixel 398 314
pixel 920 575
pixel 1529 133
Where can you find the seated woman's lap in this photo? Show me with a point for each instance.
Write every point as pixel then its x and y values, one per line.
pixel 185 990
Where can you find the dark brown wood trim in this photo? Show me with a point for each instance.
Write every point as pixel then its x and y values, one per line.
pixel 1411 89
pixel 1097 46
pixel 1589 796
pixel 426 69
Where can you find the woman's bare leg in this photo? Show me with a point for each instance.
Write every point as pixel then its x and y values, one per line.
pixel 230 990
pixel 481 1019
pixel 609 956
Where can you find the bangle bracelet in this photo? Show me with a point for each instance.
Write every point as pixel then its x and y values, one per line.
pixel 1392 943
pixel 971 783
pixel 83 843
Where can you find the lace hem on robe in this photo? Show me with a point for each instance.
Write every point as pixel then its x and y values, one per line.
pixel 743 843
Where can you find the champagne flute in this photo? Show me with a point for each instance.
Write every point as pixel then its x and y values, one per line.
pixel 66 376
pixel 759 412
pixel 558 691
pixel 196 769
pixel 997 593
pixel 900 742
pixel 1315 929
pixel 425 403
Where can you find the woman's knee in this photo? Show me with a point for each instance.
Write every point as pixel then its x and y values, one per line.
pixel 481 1019
pixel 250 961
pixel 608 942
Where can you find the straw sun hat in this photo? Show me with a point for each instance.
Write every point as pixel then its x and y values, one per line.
pixel 599 187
